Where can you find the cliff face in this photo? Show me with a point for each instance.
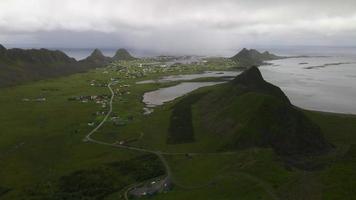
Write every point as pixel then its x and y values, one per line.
pixel 247 58
pixel 21 65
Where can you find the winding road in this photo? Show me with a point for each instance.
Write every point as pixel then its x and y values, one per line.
pixel 88 138
pixel 159 154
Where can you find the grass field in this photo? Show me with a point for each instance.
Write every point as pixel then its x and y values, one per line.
pixel 42 148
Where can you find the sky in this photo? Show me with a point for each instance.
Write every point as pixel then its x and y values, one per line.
pixel 177 26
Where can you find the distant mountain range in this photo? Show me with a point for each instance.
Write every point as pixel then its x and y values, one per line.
pixel 21 65
pixel 247 58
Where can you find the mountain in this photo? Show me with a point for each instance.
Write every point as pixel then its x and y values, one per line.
pixel 123 54
pixel 248 112
pixel 2 49
pixel 97 57
pixel 247 58
pixel 21 65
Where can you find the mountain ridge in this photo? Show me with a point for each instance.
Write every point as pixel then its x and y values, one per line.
pixel 251 57
pixel 123 54
pixel 21 65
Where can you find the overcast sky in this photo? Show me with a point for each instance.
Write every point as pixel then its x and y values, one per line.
pixel 191 26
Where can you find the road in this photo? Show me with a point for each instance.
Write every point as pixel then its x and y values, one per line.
pixel 159 154
pixel 88 138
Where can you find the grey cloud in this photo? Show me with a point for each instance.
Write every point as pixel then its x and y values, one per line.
pixel 178 25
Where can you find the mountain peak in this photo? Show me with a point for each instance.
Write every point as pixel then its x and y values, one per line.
pixel 254 113
pixel 251 79
pixel 123 54
pixel 250 75
pixel 2 48
pixel 247 58
pixel 97 57
pixel 97 53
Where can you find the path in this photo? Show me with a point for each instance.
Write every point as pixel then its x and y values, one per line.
pixel 159 154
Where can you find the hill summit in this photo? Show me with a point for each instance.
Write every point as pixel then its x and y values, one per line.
pixel 247 58
pixel 97 57
pixel 123 54
pixel 251 80
pixel 250 112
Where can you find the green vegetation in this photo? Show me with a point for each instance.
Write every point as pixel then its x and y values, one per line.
pixel 24 65
pixel 181 127
pixel 123 54
pixel 43 156
pixel 3 191
pixel 99 182
pixel 98 57
pixel 42 131
pixel 249 112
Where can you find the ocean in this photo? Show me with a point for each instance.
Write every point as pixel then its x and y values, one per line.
pixel 324 82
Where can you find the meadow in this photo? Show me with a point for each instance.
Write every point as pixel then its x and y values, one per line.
pixel 42 149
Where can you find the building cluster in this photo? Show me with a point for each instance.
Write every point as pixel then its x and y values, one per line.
pixel 99 99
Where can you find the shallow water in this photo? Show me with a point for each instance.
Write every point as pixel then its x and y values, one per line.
pixel 160 96
pixel 315 83
pixel 186 77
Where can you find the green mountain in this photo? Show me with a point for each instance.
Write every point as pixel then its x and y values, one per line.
pixel 248 112
pixel 97 57
pixel 2 49
pixel 21 65
pixel 247 58
pixel 123 54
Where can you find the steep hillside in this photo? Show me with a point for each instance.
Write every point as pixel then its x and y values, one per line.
pixel 247 58
pixel 97 57
pixel 20 65
pixel 250 112
pixel 123 54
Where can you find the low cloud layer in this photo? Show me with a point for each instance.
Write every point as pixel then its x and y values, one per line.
pixel 176 26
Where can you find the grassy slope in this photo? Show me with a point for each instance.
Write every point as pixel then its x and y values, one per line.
pixel 40 144
pixel 42 141
pixel 264 168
